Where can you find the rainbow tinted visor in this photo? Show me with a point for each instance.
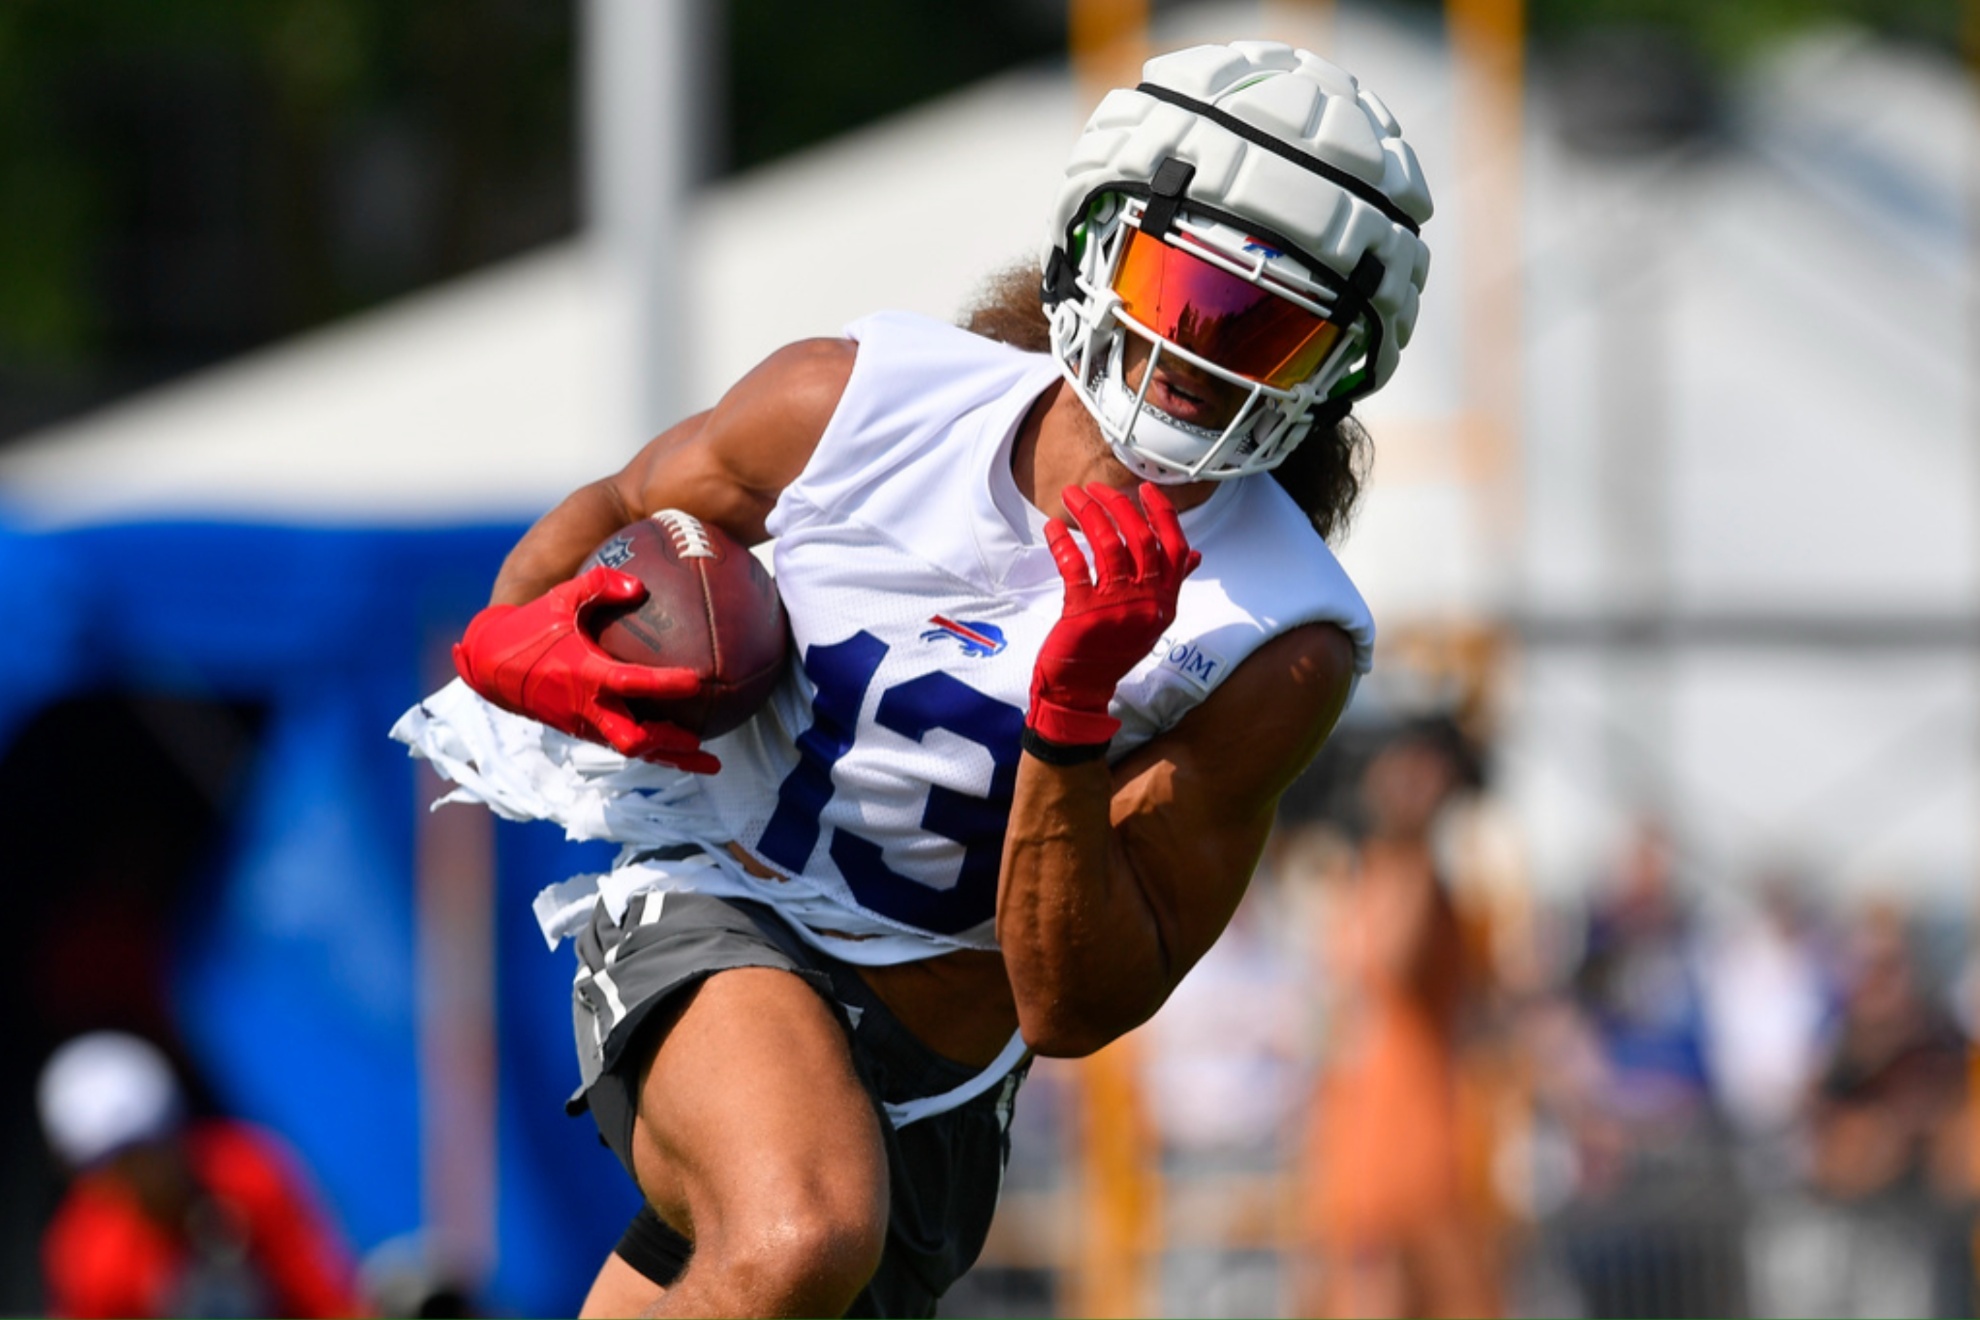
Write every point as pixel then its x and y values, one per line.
pixel 1239 324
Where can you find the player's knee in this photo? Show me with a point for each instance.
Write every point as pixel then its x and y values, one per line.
pixel 810 1258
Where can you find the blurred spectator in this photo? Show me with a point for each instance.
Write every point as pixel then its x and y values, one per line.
pixel 1772 993
pixel 1889 1143
pixel 1383 1203
pixel 1888 1116
pixel 1770 1000
pixel 1639 983
pixel 1654 1223
pixel 169 1215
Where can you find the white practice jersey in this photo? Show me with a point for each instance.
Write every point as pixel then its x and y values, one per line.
pixel 919 588
pixel 876 784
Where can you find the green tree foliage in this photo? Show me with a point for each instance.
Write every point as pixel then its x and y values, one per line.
pixel 234 141
pixel 800 72
pixel 1728 32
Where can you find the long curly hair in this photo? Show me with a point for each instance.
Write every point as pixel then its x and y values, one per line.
pixel 1324 473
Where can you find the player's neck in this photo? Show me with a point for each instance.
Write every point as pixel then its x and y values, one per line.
pixel 1058 445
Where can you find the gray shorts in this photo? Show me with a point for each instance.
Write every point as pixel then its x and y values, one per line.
pixel 944 1171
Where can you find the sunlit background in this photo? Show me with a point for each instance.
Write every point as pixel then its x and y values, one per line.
pixel 1615 958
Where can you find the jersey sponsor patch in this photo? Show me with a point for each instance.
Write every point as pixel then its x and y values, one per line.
pixel 977 638
pixel 1197 664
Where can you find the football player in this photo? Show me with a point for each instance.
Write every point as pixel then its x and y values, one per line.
pixel 1065 626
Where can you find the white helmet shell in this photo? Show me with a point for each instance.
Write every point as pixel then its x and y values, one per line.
pixel 1258 138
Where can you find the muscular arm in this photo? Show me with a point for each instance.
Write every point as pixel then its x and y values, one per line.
pixel 726 466
pixel 1116 881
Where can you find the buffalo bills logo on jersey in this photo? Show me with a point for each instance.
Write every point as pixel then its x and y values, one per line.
pixel 978 639
pixel 615 552
pixel 1263 249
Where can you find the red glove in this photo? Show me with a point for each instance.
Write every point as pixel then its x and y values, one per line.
pixel 538 660
pixel 1108 625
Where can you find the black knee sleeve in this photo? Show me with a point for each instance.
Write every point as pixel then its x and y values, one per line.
pixel 654 1249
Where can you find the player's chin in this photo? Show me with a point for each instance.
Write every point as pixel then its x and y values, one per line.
pixel 1179 492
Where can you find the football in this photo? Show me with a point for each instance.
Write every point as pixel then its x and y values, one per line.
pixel 710 606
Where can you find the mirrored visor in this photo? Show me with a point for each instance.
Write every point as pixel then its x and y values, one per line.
pixel 1243 327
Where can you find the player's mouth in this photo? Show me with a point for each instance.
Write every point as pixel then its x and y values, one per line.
pixel 1194 398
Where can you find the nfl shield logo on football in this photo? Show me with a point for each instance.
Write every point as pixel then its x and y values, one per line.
pixel 615 552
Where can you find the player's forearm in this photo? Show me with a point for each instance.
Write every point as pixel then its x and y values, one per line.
pixel 551 551
pixel 1085 952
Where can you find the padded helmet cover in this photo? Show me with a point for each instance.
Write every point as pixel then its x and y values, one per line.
pixel 1280 139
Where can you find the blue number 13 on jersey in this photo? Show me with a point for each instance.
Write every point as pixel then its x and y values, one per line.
pixel 841 674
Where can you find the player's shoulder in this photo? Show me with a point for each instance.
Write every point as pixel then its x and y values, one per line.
pixel 896 350
pixel 791 393
pixel 1273 565
pixel 807 368
pixel 1309 663
pixel 821 354
pixel 1320 654
pixel 1265 720
pixel 916 372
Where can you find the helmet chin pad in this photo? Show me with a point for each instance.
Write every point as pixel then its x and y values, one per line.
pixel 1149 442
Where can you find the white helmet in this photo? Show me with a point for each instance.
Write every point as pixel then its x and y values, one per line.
pixel 1289 264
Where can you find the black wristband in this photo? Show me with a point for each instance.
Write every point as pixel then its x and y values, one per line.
pixel 1058 753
